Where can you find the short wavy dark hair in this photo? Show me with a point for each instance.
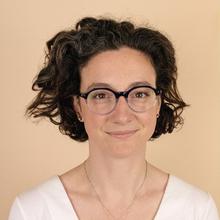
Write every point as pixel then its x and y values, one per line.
pixel 68 51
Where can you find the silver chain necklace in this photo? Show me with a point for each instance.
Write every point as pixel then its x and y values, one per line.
pixel 124 214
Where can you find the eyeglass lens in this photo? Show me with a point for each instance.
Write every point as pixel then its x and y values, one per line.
pixel 103 101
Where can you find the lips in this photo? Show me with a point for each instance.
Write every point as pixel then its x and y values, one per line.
pixel 122 134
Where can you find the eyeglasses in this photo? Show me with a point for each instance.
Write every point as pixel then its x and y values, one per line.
pixel 104 100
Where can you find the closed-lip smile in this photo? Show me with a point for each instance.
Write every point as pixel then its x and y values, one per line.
pixel 122 134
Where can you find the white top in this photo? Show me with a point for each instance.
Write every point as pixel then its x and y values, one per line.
pixel 49 201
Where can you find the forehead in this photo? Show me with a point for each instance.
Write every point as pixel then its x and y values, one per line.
pixel 119 69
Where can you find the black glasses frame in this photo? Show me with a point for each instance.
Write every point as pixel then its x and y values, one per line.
pixel 123 93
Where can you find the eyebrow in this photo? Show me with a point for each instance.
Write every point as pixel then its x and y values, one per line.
pixel 106 85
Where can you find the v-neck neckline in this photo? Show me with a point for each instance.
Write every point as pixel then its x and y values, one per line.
pixel 157 213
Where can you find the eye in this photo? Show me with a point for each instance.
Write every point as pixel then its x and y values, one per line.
pixel 141 94
pixel 101 95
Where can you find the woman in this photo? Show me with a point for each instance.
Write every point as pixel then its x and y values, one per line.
pixel 113 84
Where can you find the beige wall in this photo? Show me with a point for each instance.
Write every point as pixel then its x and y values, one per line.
pixel 30 153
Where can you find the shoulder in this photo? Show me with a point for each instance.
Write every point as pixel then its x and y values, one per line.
pixel 40 201
pixel 40 193
pixel 189 200
pixel 179 188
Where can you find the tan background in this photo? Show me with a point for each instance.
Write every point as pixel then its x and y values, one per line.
pixel 31 153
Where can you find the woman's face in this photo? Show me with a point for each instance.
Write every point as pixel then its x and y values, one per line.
pixel 123 130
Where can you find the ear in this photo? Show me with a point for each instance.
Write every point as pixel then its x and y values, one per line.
pixel 158 104
pixel 77 106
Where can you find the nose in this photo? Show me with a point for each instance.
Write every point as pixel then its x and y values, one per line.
pixel 122 114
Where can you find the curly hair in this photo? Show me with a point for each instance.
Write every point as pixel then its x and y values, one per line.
pixel 69 51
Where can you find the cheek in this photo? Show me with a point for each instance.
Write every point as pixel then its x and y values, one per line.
pixel 92 123
pixel 148 122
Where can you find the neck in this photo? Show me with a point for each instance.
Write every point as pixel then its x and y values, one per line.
pixel 116 178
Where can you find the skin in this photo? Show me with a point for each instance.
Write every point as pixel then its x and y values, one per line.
pixel 119 70
pixel 117 141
